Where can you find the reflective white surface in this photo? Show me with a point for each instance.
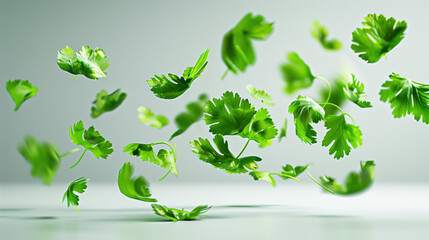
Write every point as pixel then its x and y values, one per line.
pixel 240 211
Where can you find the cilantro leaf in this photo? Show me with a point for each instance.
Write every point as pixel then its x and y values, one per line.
pixel 173 86
pixel 296 74
pixel 79 186
pixel 105 102
pixel 237 49
pixel 305 111
pixel 378 37
pixel 43 157
pixel 261 129
pixel 88 62
pixel 146 116
pixel 164 158
pixel 320 33
pixel 175 215
pixel 260 95
pixel 228 115
pixel 283 131
pixel 355 92
pixel 20 91
pixel 406 97
pixel 355 182
pixel 224 160
pixel 194 113
pixel 91 140
pixel 342 135
pixel 289 170
pixel 266 176
pixel 135 188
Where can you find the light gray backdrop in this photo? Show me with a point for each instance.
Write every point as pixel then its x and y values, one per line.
pixel 143 38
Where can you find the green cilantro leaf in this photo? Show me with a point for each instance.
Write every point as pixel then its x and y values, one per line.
pixel 135 188
pixel 91 140
pixel 261 129
pixel 296 74
pixel 289 170
pixel 173 86
pixel 265 176
pixel 224 160
pixel 194 113
pixel 228 115
pixel 88 62
pixel 237 49
pixel 283 131
pixel 20 91
pixel 406 97
pixel 79 186
pixel 342 135
pixel 355 92
pixel 378 37
pixel 355 182
pixel 305 111
pixel 146 116
pixel 105 102
pixel 320 33
pixel 260 95
pixel 175 215
pixel 43 157
pixel 164 158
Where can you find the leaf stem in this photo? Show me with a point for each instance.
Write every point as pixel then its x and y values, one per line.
pixel 81 156
pixel 329 88
pixel 242 150
pixel 72 151
pixel 224 75
pixel 285 175
pixel 77 209
pixel 334 105
pixel 169 171
pixel 73 81
pixel 318 183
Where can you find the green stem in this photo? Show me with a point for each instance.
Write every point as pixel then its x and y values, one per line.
pixel 329 88
pixel 174 150
pixel 164 176
pixel 73 81
pixel 81 156
pixel 318 183
pixel 342 112
pixel 72 151
pixel 77 209
pixel 224 75
pixel 242 150
pixel 285 175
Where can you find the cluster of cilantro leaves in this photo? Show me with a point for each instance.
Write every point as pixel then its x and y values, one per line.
pixel 231 115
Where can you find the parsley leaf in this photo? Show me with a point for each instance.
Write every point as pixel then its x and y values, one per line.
pixel 224 160
pixel 146 116
pixel 88 62
pixel 261 129
pixel 91 140
pixel 355 182
pixel 105 102
pixel 305 111
pixel 320 33
pixel 342 135
pixel 296 73
pixel 260 95
pixel 173 86
pixel 194 113
pixel 283 130
pixel 355 92
pixel 406 97
pixel 174 214
pixel 378 37
pixel 237 49
pixel 164 158
pixel 135 188
pixel 228 115
pixel 289 170
pixel 79 186
pixel 43 157
pixel 20 91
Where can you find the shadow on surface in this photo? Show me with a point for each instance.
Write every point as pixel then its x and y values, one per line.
pixel 30 218
pixel 245 206
pixel 14 209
